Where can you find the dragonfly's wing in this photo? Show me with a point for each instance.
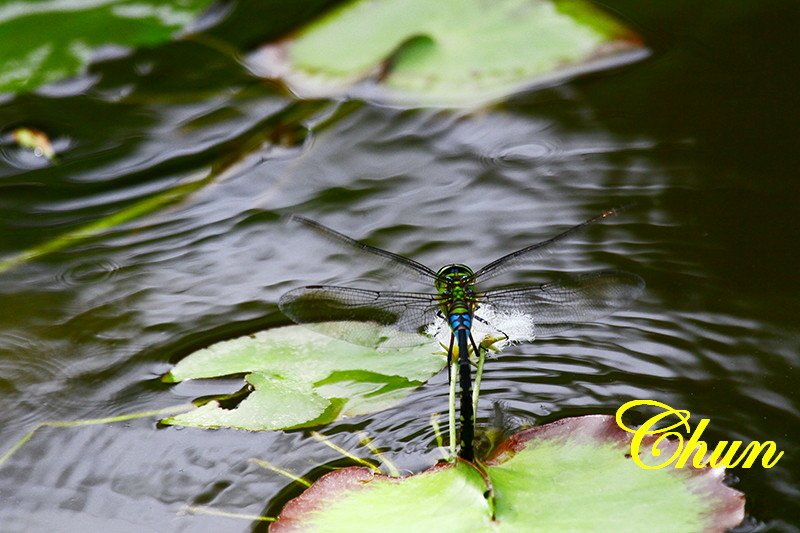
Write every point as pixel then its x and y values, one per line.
pixel 399 264
pixel 378 319
pixel 533 252
pixel 539 311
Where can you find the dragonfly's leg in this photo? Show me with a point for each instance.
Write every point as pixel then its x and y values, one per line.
pixel 474 346
pixel 500 331
pixel 479 319
pixel 477 352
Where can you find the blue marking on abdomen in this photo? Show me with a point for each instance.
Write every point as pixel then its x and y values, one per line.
pixel 459 320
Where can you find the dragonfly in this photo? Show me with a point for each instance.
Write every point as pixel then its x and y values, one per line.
pixel 458 308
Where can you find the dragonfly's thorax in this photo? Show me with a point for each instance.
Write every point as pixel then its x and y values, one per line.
pixel 455 281
pixel 456 287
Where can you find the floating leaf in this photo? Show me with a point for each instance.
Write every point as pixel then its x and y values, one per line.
pixel 448 52
pixel 445 498
pixel 576 474
pixel 299 378
pixel 47 40
pixel 572 475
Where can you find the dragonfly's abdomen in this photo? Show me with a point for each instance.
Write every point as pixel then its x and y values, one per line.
pixel 460 317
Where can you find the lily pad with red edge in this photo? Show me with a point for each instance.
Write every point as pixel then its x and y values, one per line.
pixel 447 52
pixel 357 499
pixel 577 474
pixel 573 475
pixel 300 378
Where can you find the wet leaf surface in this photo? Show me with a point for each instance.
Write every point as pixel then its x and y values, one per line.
pixel 450 53
pixel 302 378
pixel 575 475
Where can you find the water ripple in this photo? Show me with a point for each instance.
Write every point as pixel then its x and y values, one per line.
pixel 531 153
pixel 89 272
pixel 87 330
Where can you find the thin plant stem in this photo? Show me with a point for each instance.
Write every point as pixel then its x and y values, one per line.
pixel 199 509
pixel 269 466
pixel 478 375
pixel 452 409
pixel 437 431
pixel 327 442
pixel 90 422
pixel 367 441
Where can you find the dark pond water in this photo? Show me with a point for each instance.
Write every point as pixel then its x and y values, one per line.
pixel 703 137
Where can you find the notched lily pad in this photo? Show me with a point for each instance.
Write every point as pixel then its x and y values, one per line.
pixel 572 475
pixel 448 52
pixel 300 378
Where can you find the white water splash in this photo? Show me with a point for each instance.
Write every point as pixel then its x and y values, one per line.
pixel 504 328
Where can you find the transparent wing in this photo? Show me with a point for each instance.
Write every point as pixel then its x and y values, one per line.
pixel 399 264
pixel 533 252
pixel 378 319
pixel 542 310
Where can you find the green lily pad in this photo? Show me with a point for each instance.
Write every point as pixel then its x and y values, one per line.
pixel 358 499
pixel 448 52
pixel 300 378
pixel 572 475
pixel 47 40
pixel 576 474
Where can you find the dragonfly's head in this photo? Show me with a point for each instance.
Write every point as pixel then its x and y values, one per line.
pixel 453 276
